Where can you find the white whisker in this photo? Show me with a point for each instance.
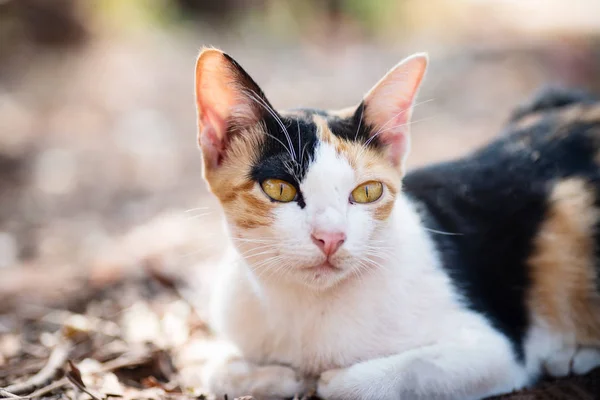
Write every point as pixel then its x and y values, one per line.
pixel 199 215
pixel 196 209
pixel 299 137
pixel 362 112
pixel 270 110
pixel 443 233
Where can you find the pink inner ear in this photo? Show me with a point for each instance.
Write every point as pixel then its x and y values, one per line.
pixel 389 106
pixel 394 133
pixel 212 137
pixel 397 146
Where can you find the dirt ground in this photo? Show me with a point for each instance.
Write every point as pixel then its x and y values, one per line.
pixel 105 220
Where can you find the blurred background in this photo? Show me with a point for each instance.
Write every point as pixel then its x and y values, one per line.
pixel 100 178
pixel 99 170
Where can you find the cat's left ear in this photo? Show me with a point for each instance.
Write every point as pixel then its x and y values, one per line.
pixel 388 106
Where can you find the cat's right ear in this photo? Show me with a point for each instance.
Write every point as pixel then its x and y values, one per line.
pixel 388 106
pixel 226 99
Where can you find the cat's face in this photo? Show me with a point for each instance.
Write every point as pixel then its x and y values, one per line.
pixel 306 193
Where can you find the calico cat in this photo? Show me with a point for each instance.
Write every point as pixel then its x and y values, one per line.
pixel 461 280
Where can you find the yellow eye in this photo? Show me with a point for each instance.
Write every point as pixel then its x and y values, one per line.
pixel 279 190
pixel 367 192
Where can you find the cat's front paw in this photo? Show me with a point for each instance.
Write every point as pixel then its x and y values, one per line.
pixel 357 382
pixel 333 384
pixel 238 378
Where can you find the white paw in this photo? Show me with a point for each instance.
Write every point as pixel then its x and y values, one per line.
pixel 275 381
pixel 585 360
pixel 332 384
pixel 237 378
pixel 559 364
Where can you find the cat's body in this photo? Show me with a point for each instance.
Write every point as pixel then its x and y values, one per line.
pixel 523 213
pixel 468 281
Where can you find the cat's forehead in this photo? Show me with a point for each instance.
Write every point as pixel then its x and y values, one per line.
pixel 291 140
pixel 344 124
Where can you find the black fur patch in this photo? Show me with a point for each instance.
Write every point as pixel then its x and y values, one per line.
pixel 286 154
pixel 287 149
pixel 492 204
pixel 353 129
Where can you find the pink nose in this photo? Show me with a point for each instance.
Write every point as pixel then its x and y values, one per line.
pixel 328 242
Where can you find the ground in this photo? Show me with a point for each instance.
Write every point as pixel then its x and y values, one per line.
pixel 136 338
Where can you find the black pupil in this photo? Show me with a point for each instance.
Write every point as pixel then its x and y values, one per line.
pixel 280 189
pixel 367 191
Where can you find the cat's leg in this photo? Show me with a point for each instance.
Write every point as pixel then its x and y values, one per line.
pixel 471 368
pixel 560 363
pixel 585 360
pixel 571 359
pixel 236 377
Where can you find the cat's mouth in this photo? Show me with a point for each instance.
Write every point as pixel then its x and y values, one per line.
pixel 324 267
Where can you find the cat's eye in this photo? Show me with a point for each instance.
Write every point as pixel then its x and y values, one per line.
pixel 367 192
pixel 279 190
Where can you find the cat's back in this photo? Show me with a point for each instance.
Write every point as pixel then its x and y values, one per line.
pixel 517 222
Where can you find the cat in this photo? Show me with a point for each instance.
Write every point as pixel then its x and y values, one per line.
pixel 348 276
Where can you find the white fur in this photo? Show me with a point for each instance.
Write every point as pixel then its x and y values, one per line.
pixel 392 328
pixel 556 354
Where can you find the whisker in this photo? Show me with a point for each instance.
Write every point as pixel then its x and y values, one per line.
pixel 443 233
pixel 260 253
pixel 407 124
pixel 277 119
pixel 241 239
pixel 362 112
pixel 302 156
pixel 380 131
pixel 199 215
pixel 196 209
pixel 265 267
pixel 299 136
pixel 382 128
pixel 411 108
pixel 257 100
pixel 257 249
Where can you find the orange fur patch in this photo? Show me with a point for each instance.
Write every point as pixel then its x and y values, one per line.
pixel 582 113
pixel 383 211
pixel 575 114
pixel 563 265
pixel 529 120
pixel 243 201
pixel 367 163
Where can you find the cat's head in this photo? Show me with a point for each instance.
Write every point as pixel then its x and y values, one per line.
pixel 307 193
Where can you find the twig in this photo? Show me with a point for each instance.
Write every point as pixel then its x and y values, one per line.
pixel 47 389
pixel 5 393
pixel 57 359
pixel 38 393
pixel 126 360
pixel 76 381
